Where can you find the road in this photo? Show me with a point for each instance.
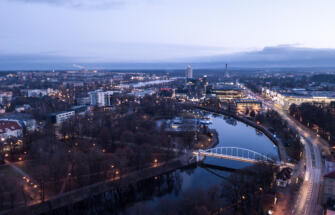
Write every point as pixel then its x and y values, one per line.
pixel 307 199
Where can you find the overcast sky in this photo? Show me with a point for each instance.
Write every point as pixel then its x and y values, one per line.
pixel 161 30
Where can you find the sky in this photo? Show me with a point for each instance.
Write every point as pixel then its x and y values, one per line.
pixel 160 30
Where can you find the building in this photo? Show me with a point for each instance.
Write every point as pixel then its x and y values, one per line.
pixel 284 177
pixel 248 104
pixel 329 182
pixel 189 72
pixel 26 121
pixel 227 92
pixel 52 92
pixel 287 97
pixel 101 98
pixel 83 101
pixel 80 109
pixel 73 83
pixel 181 94
pixel 166 92
pixel 10 129
pixel 37 92
pixel 60 117
pixel 41 92
pixel 6 97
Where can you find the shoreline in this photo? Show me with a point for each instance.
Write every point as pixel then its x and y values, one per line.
pixel 280 148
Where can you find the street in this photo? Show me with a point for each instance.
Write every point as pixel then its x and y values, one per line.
pixel 307 198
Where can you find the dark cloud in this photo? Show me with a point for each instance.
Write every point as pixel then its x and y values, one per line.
pixel 269 57
pixel 278 56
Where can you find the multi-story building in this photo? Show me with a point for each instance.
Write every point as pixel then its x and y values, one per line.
pixel 60 117
pixel 228 92
pixel 189 72
pixel 101 98
pixel 251 104
pixel 286 99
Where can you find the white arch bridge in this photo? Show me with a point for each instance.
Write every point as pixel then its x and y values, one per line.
pixel 234 153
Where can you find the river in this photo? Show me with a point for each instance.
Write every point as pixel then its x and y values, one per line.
pixel 230 133
pixel 171 187
pixel 147 83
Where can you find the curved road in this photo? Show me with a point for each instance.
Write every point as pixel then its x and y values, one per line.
pixel 307 200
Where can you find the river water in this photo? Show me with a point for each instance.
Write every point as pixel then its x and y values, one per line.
pixel 154 193
pixel 147 83
pixel 230 133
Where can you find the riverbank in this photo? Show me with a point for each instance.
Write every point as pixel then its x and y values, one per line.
pixel 101 187
pixel 281 148
pixel 86 192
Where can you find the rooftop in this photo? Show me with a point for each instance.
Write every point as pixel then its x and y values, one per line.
pixel 11 125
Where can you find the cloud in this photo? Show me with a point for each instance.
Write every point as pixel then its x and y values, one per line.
pixel 276 56
pixel 90 4
pixel 268 57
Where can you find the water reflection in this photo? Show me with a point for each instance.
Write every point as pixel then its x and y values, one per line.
pixel 214 171
pixel 167 189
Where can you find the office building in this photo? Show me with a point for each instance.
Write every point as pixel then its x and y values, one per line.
pixel 189 72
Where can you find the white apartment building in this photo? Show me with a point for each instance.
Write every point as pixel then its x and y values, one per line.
pixel 60 117
pixel 100 98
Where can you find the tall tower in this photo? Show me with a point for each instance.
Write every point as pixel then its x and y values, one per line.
pixel 226 74
pixel 189 72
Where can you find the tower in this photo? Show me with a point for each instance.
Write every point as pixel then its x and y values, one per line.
pixel 189 72
pixel 226 74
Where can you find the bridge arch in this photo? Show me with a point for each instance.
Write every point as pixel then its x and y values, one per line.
pixel 236 153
